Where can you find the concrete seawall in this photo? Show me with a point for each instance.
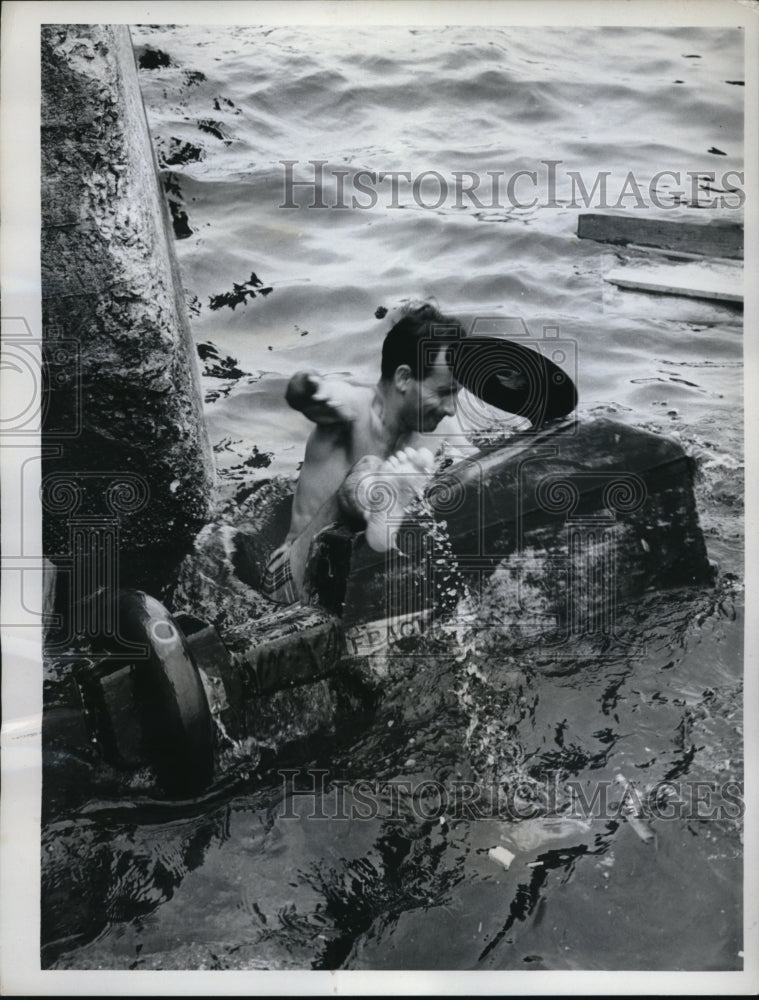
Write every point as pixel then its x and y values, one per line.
pixel 126 450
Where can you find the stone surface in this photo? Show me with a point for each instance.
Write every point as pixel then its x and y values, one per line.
pixel 718 239
pixel 112 296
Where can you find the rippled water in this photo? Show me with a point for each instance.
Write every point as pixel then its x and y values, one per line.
pixel 237 884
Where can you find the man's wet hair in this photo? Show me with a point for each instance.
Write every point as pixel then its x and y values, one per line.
pixel 417 339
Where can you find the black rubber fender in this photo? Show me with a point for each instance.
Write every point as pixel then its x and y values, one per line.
pixel 171 700
pixel 515 378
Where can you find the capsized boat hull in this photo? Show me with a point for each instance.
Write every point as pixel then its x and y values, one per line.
pixel 572 496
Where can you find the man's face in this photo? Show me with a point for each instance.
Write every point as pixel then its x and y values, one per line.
pixel 435 396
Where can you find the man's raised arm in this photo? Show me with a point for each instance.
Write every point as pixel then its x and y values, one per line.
pixel 323 400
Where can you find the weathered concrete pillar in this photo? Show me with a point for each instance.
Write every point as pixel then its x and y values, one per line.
pixel 124 435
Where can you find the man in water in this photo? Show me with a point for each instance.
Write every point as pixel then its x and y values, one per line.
pixel 367 445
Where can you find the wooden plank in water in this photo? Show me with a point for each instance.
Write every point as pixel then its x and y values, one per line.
pixel 724 239
pixel 694 281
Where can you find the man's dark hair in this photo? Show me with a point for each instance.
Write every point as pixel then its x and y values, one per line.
pixel 417 339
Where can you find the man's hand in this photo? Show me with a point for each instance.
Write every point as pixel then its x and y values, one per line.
pixel 323 400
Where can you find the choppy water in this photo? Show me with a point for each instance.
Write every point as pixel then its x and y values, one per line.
pixel 236 885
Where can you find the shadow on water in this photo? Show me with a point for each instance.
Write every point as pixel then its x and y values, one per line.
pixel 409 874
pixel 98 875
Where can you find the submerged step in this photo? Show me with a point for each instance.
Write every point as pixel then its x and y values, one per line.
pixel 700 281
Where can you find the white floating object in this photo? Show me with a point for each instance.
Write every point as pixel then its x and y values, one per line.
pixel 643 829
pixel 699 281
pixel 502 856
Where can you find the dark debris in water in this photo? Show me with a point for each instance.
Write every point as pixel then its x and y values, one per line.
pixel 154 59
pixel 259 459
pixel 179 153
pixel 230 104
pixel 179 221
pixel 226 444
pixel 412 874
pixel 528 894
pixel 572 759
pixel 175 201
pixel 214 128
pixel 193 77
pixel 215 366
pixel 240 293
pixel 380 312
pixel 716 152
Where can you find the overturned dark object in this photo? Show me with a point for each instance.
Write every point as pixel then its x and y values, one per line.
pixel 514 378
pixel 579 495
pixel 544 492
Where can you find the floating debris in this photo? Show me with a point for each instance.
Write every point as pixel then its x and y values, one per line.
pixel 214 128
pixel 175 201
pixel 632 810
pixel 230 104
pixel 154 59
pixel 179 153
pixel 259 459
pixel 240 293
pixel 215 365
pixel 193 77
pixel 501 856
